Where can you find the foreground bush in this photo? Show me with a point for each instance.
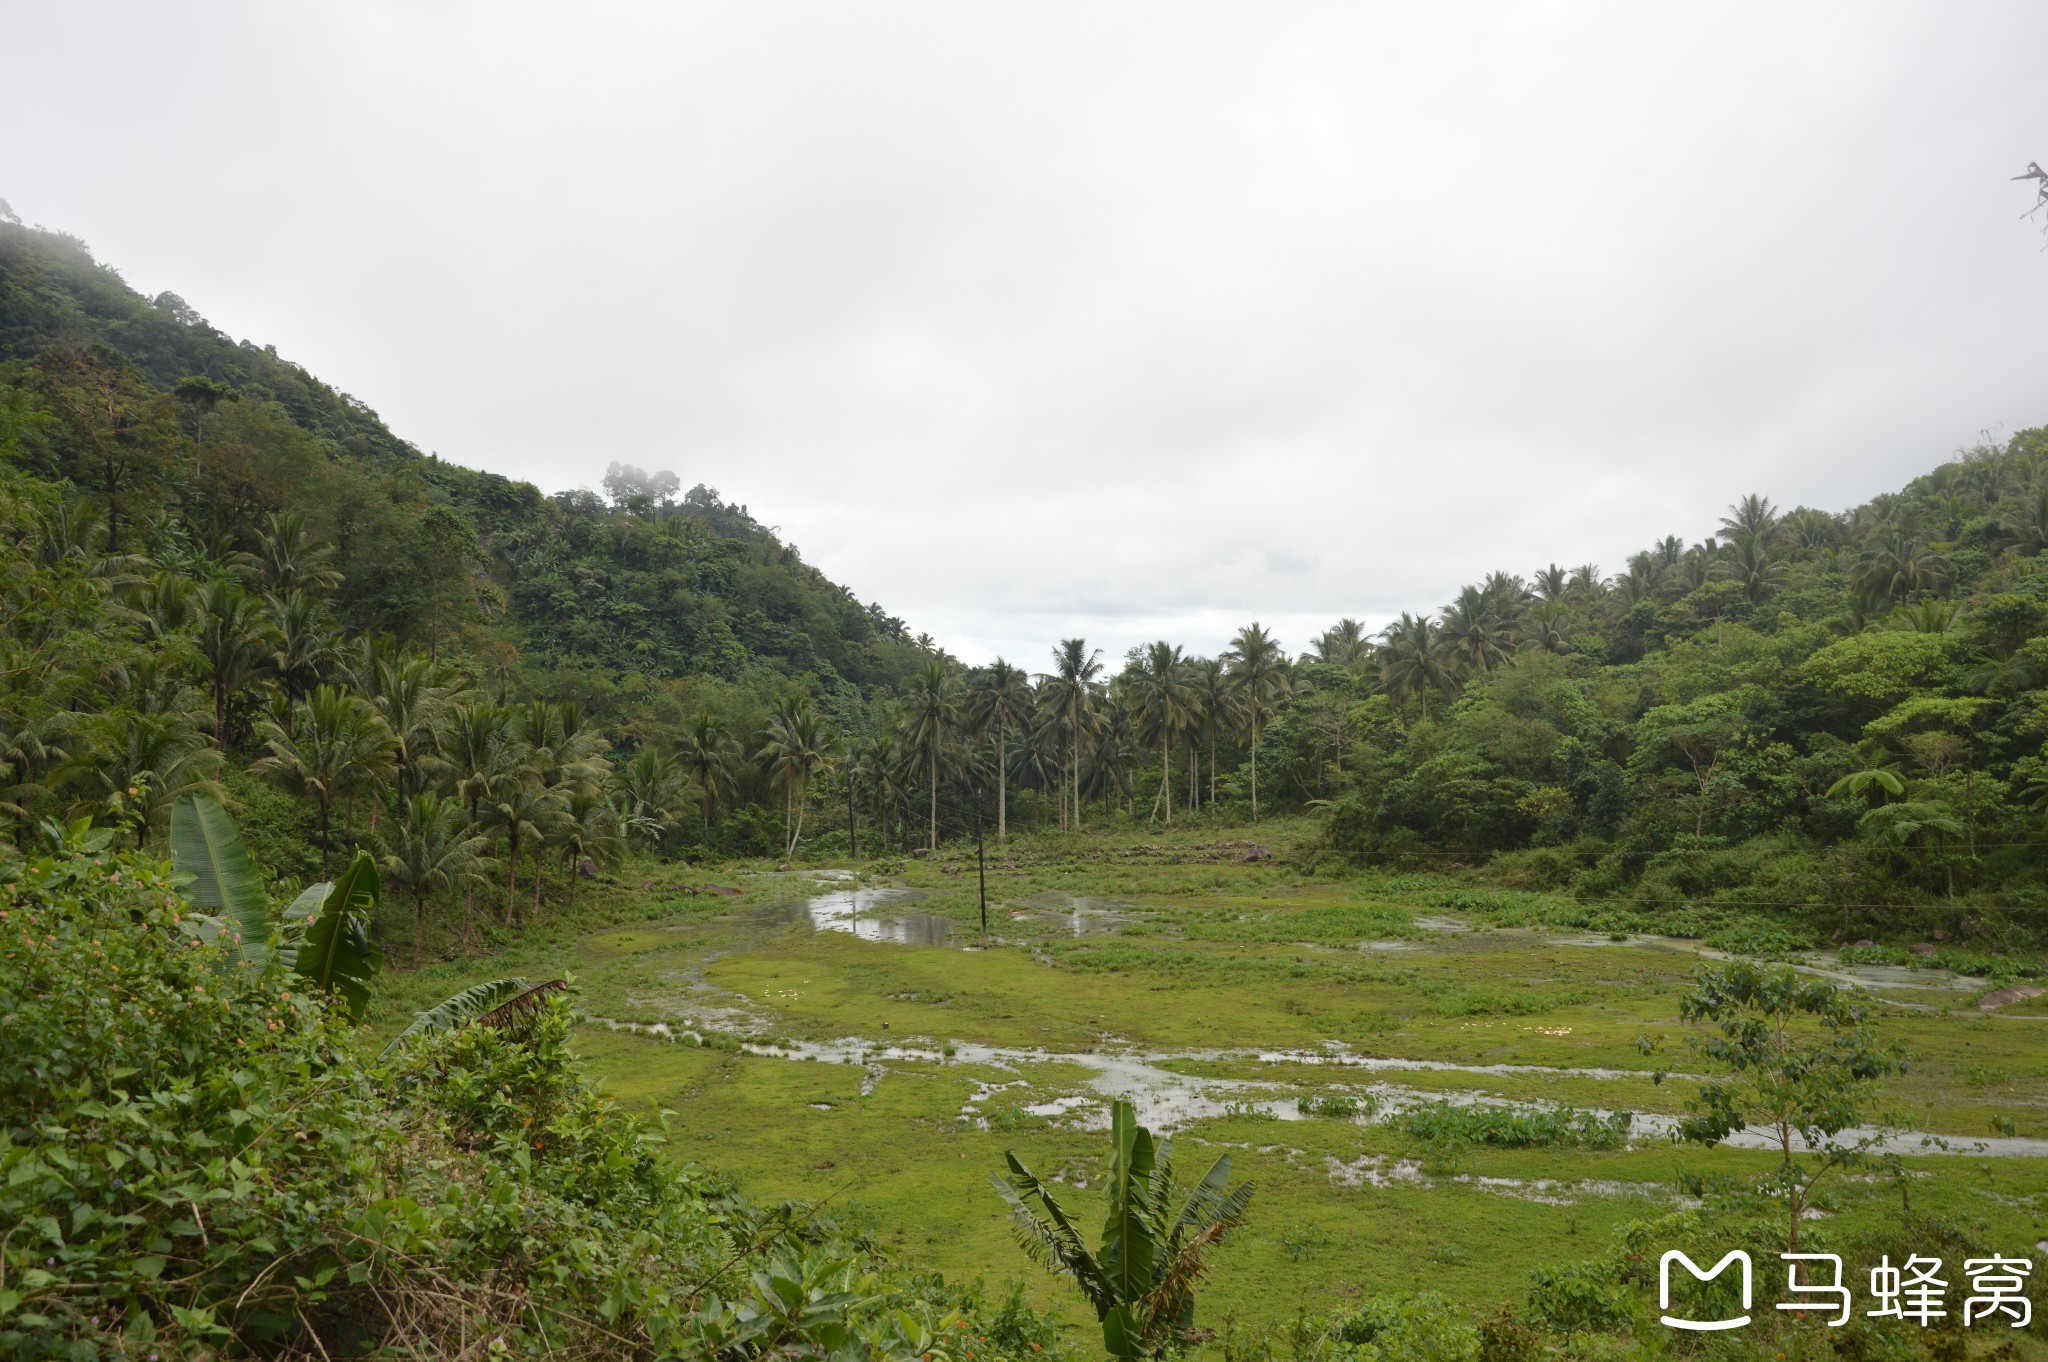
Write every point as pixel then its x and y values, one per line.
pixel 196 1161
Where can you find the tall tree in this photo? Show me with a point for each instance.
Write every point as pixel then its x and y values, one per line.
pixel 1165 704
pixel 430 849
pixel 335 747
pixel 1258 670
pixel 1417 661
pixel 998 696
pixel 798 746
pixel 706 754
pixel 233 642
pixel 1071 690
pixel 931 709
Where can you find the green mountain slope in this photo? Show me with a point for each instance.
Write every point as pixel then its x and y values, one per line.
pixel 144 402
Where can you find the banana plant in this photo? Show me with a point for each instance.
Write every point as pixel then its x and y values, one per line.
pixel 337 953
pixel 206 846
pixel 1155 1243
pixel 324 938
pixel 497 1002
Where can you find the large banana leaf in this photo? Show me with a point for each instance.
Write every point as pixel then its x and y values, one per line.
pixel 1128 1242
pixel 337 954
pixel 205 845
pixel 457 1010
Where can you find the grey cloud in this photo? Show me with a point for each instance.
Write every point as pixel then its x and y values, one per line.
pixel 1131 321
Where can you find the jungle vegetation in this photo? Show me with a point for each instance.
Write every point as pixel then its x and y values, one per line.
pixel 224 576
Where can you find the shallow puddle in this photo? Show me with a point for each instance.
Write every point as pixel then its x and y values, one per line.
pixel 860 912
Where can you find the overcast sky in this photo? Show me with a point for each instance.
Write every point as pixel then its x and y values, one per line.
pixel 1121 320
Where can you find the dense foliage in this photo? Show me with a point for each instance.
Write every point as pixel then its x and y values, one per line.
pixel 194 1154
pixel 223 575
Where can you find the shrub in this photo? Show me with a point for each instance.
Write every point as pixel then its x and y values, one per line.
pixel 196 1159
pixel 1512 1128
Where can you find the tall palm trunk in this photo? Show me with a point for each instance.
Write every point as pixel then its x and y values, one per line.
pixel 1002 786
pixel 536 881
pixel 1166 777
pixel 419 925
pixel 511 880
pixel 796 832
pixel 1074 770
pixel 931 768
pixel 1255 766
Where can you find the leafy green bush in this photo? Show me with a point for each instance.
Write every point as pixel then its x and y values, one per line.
pixel 197 1160
pixel 1424 1327
pixel 1762 942
pixel 1512 1128
pixel 1572 1297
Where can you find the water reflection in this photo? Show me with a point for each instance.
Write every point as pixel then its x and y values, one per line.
pixel 855 911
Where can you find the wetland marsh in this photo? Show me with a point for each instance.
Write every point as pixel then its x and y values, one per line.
pixel 841 1034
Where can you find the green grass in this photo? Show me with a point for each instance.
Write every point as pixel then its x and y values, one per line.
pixel 1216 961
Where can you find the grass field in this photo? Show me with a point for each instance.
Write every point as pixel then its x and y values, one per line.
pixel 822 1046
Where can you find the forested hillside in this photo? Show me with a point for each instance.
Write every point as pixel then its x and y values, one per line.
pixel 223 574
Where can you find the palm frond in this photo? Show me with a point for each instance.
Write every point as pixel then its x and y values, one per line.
pixel 518 1010
pixel 457 1010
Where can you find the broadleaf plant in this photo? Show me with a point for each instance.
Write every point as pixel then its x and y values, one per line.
pixel 206 845
pixel 1155 1242
pixel 337 953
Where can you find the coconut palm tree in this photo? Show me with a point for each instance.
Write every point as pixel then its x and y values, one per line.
pixel 413 695
pixel 520 811
pixel 582 831
pixel 1071 690
pixel 335 747
pixel 1896 564
pixel 301 642
pixel 1344 644
pixel 645 795
pixel 139 764
pixel 1548 628
pixel 1258 672
pixel 431 849
pixel 1748 562
pixel 233 641
pixel 2025 527
pixel 706 754
pixel 1478 636
pixel 1164 705
pixel 798 746
pixel 1416 661
pixel 999 696
pixel 931 709
pixel 289 559
pixel 1215 711
pixel 1753 517
pixel 876 762
pixel 1552 582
